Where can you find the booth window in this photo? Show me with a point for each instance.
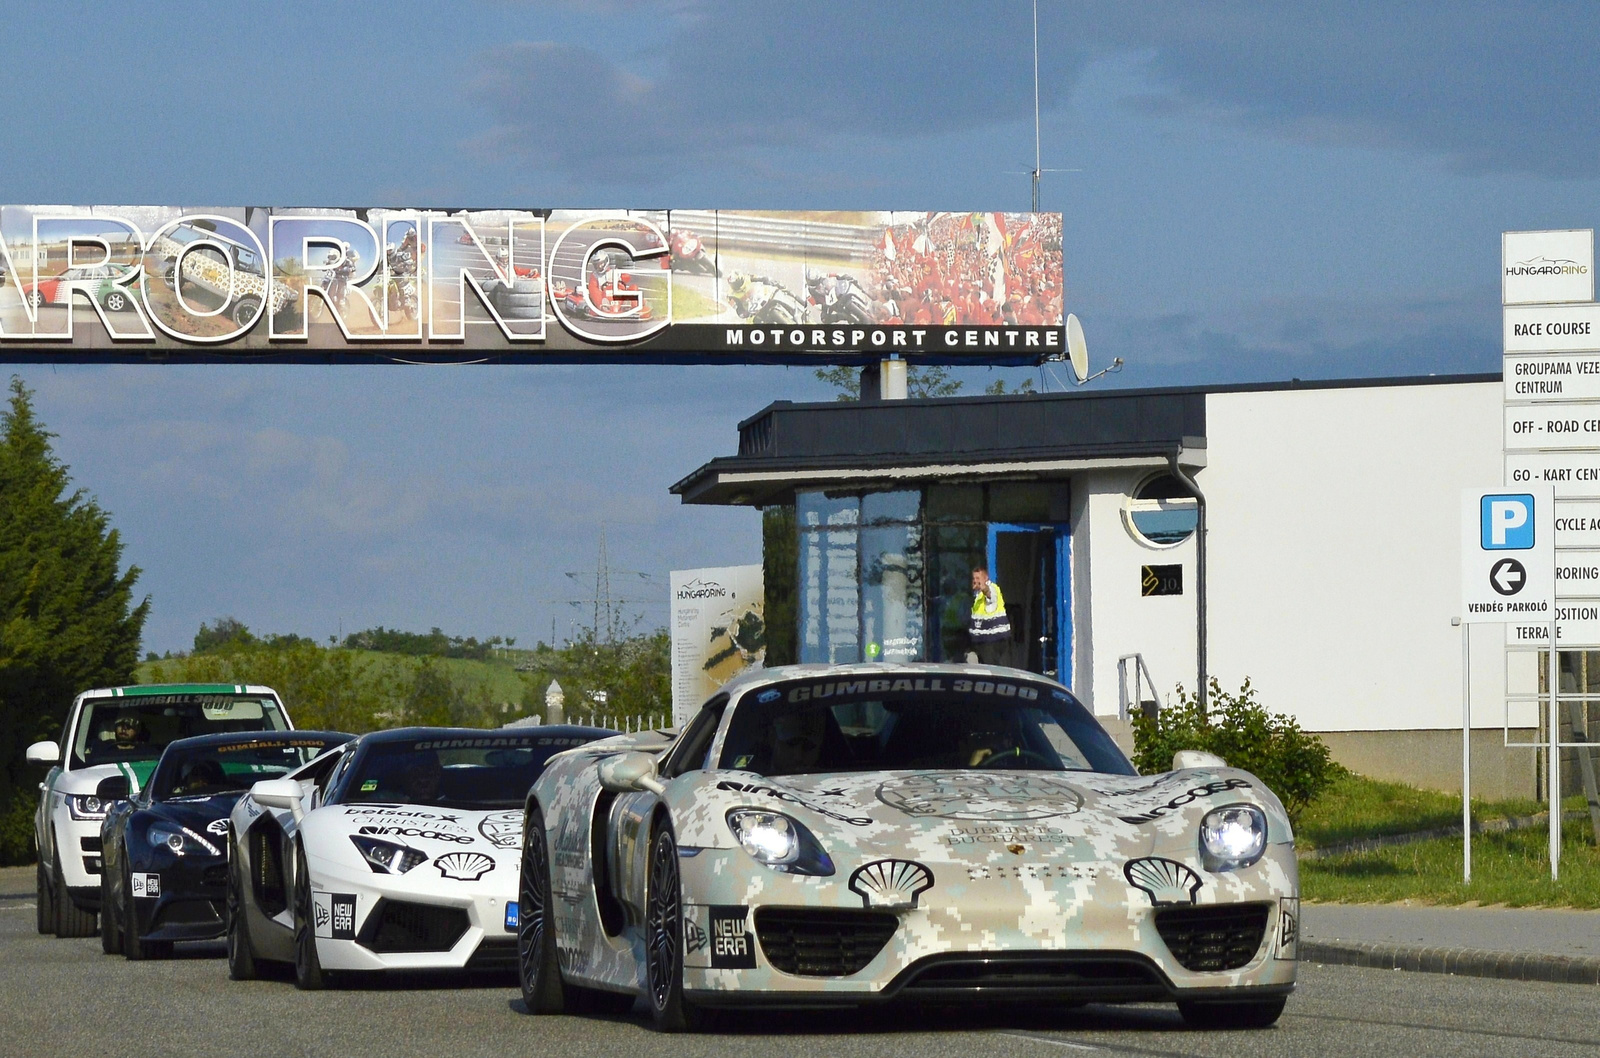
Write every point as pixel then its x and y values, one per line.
pixel 1161 512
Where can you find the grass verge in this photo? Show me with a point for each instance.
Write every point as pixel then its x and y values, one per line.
pixel 1511 868
pixel 1357 807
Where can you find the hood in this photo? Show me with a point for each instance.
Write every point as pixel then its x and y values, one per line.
pixel 199 814
pixel 86 780
pixel 458 841
pixel 974 815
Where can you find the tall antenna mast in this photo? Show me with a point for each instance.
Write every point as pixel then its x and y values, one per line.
pixel 1036 156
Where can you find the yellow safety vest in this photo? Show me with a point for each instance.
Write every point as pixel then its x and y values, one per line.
pixel 989 623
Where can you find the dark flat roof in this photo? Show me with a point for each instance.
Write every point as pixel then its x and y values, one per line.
pixel 784 441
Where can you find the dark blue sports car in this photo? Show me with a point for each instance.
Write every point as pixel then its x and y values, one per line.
pixel 165 873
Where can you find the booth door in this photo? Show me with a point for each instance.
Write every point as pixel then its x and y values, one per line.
pixel 1030 563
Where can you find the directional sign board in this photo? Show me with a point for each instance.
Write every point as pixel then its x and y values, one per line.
pixel 1508 554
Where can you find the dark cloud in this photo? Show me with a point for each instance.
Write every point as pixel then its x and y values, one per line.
pixel 1488 86
pixel 730 76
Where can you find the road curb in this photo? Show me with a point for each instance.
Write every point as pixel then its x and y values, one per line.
pixel 1467 962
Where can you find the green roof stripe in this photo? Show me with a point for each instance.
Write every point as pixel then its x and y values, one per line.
pixel 181 688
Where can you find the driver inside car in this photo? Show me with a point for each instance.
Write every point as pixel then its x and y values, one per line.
pixel 420 777
pixel 203 777
pixel 797 741
pixel 986 739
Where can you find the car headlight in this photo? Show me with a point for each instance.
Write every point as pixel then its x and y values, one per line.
pixel 86 806
pixel 1232 837
pixel 781 843
pixel 388 857
pixel 180 841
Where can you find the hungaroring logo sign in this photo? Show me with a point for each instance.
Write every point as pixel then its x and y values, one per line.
pixel 665 286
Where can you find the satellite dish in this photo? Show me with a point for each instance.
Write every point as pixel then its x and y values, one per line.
pixel 1077 349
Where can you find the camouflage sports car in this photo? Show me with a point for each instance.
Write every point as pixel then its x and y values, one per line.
pixel 854 834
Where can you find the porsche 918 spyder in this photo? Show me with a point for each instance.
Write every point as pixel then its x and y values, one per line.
pixel 850 835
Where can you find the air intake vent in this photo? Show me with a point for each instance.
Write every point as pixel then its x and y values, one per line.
pixel 1222 937
pixel 815 943
pixel 398 925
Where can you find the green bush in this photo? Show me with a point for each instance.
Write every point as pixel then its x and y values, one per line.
pixel 16 833
pixel 1296 765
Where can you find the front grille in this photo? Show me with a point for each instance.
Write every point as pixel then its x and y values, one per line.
pixel 818 943
pixel 1217 937
pixel 495 955
pixel 398 926
pixel 90 844
pixel 188 913
pixel 1031 971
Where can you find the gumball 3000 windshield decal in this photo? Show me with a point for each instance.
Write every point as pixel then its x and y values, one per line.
pixel 968 795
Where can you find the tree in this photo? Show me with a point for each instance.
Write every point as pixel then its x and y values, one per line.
pixel 67 622
pixel 227 632
pixel 921 382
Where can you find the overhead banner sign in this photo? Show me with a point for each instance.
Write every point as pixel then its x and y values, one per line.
pixel 557 286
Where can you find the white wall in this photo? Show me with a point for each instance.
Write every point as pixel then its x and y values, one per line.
pixel 1334 551
pixel 1110 617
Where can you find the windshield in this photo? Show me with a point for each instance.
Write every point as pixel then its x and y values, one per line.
pixel 943 722
pixel 233 767
pixel 138 727
pixel 493 771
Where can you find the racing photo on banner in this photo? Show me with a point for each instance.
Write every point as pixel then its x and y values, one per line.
pixel 88 283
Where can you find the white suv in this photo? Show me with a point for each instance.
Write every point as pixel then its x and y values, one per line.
pixel 119 731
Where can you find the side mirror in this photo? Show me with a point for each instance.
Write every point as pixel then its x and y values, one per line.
pixel 113 788
pixel 630 773
pixel 1196 758
pixel 282 794
pixel 44 753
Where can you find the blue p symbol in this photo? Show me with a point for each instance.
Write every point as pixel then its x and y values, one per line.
pixel 1507 523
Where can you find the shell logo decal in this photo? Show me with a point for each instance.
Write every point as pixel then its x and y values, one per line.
pixel 891 884
pixel 1164 881
pixel 464 866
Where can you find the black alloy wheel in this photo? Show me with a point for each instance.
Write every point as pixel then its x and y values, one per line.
pixel 71 920
pixel 308 972
pixel 44 904
pixel 663 938
pixel 134 947
pixel 1241 1014
pixel 539 968
pixel 241 959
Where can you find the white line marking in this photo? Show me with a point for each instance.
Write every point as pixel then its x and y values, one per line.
pixel 19 907
pixel 1052 1043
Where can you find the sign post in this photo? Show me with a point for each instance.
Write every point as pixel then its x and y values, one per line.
pixel 1552 437
pixel 1508 576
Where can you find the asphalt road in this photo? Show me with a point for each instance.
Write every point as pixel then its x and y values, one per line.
pixel 65 997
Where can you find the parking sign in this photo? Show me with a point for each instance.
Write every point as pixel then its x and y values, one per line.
pixel 1508 555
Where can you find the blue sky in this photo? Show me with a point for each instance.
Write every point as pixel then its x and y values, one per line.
pixel 1259 193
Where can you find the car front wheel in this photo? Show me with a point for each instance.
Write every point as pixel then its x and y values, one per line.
pixel 669 1008
pixel 44 915
pixel 71 920
pixel 110 940
pixel 537 962
pixel 241 959
pixel 308 973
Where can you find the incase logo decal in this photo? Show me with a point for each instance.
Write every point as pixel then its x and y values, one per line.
pixel 731 943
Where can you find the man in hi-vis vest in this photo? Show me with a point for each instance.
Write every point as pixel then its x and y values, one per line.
pixel 990 630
